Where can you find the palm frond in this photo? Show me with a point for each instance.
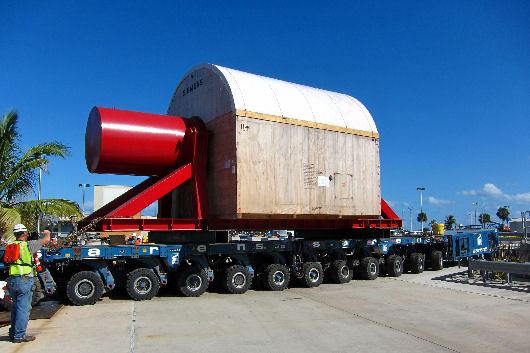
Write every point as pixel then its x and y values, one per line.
pixel 8 131
pixel 43 150
pixel 9 150
pixel 48 207
pixel 8 218
pixel 19 179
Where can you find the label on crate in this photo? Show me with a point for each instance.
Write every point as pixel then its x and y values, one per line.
pixel 323 180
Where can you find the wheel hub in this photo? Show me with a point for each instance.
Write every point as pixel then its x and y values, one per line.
pixel 278 277
pixel 194 282
pixel 239 279
pixel 313 275
pixel 142 285
pixel 373 268
pixel 84 289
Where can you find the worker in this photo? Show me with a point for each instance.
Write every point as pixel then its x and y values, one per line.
pixel 20 282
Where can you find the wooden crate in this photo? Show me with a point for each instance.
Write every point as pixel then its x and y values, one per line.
pixel 265 165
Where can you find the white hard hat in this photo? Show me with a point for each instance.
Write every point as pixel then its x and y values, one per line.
pixel 19 228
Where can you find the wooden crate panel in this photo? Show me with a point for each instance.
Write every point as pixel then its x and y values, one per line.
pixel 222 182
pixel 294 170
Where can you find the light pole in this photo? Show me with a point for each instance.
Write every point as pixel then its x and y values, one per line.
pixel 38 198
pixel 421 206
pixel 475 204
pixel 84 186
pixel 524 219
pixel 410 211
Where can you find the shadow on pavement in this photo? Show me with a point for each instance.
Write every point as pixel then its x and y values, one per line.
pixel 517 285
pixel 43 310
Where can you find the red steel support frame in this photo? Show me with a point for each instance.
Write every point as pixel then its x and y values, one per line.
pixel 173 224
pixel 122 209
pixel 386 211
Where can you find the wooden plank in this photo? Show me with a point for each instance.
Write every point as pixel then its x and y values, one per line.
pixel 298 122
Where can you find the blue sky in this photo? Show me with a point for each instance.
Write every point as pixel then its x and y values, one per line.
pixel 448 83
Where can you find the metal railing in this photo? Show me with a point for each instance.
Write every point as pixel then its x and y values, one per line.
pixel 500 267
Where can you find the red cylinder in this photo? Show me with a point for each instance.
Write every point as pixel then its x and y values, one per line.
pixel 134 143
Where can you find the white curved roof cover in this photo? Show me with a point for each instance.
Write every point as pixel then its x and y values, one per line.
pixel 263 97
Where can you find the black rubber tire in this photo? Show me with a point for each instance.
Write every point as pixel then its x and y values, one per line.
pixel 142 284
pixel 192 282
pixel 340 271
pixel 437 261
pixel 313 274
pixel 394 266
pixel 276 277
pixel 369 268
pixel 236 279
pixel 417 262
pixel 84 288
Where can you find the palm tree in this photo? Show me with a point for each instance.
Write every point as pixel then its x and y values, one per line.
pixel 18 175
pixel 450 221
pixel 422 217
pixel 484 218
pixel 503 213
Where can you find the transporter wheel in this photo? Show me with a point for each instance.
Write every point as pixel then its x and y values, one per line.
pixel 313 274
pixel 84 288
pixel 192 282
pixel 276 277
pixel 340 271
pixel 142 284
pixel 437 261
pixel 394 266
pixel 369 268
pixel 236 279
pixel 417 262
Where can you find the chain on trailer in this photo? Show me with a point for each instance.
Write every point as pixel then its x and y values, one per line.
pixel 72 238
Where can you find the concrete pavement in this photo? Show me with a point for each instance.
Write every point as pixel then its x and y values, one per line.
pixel 431 312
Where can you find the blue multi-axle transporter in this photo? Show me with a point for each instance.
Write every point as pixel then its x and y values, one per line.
pixel 85 273
pixel 230 160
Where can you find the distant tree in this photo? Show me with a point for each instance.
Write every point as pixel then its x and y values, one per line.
pixel 503 213
pixel 450 221
pixel 422 217
pixel 484 218
pixel 433 221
